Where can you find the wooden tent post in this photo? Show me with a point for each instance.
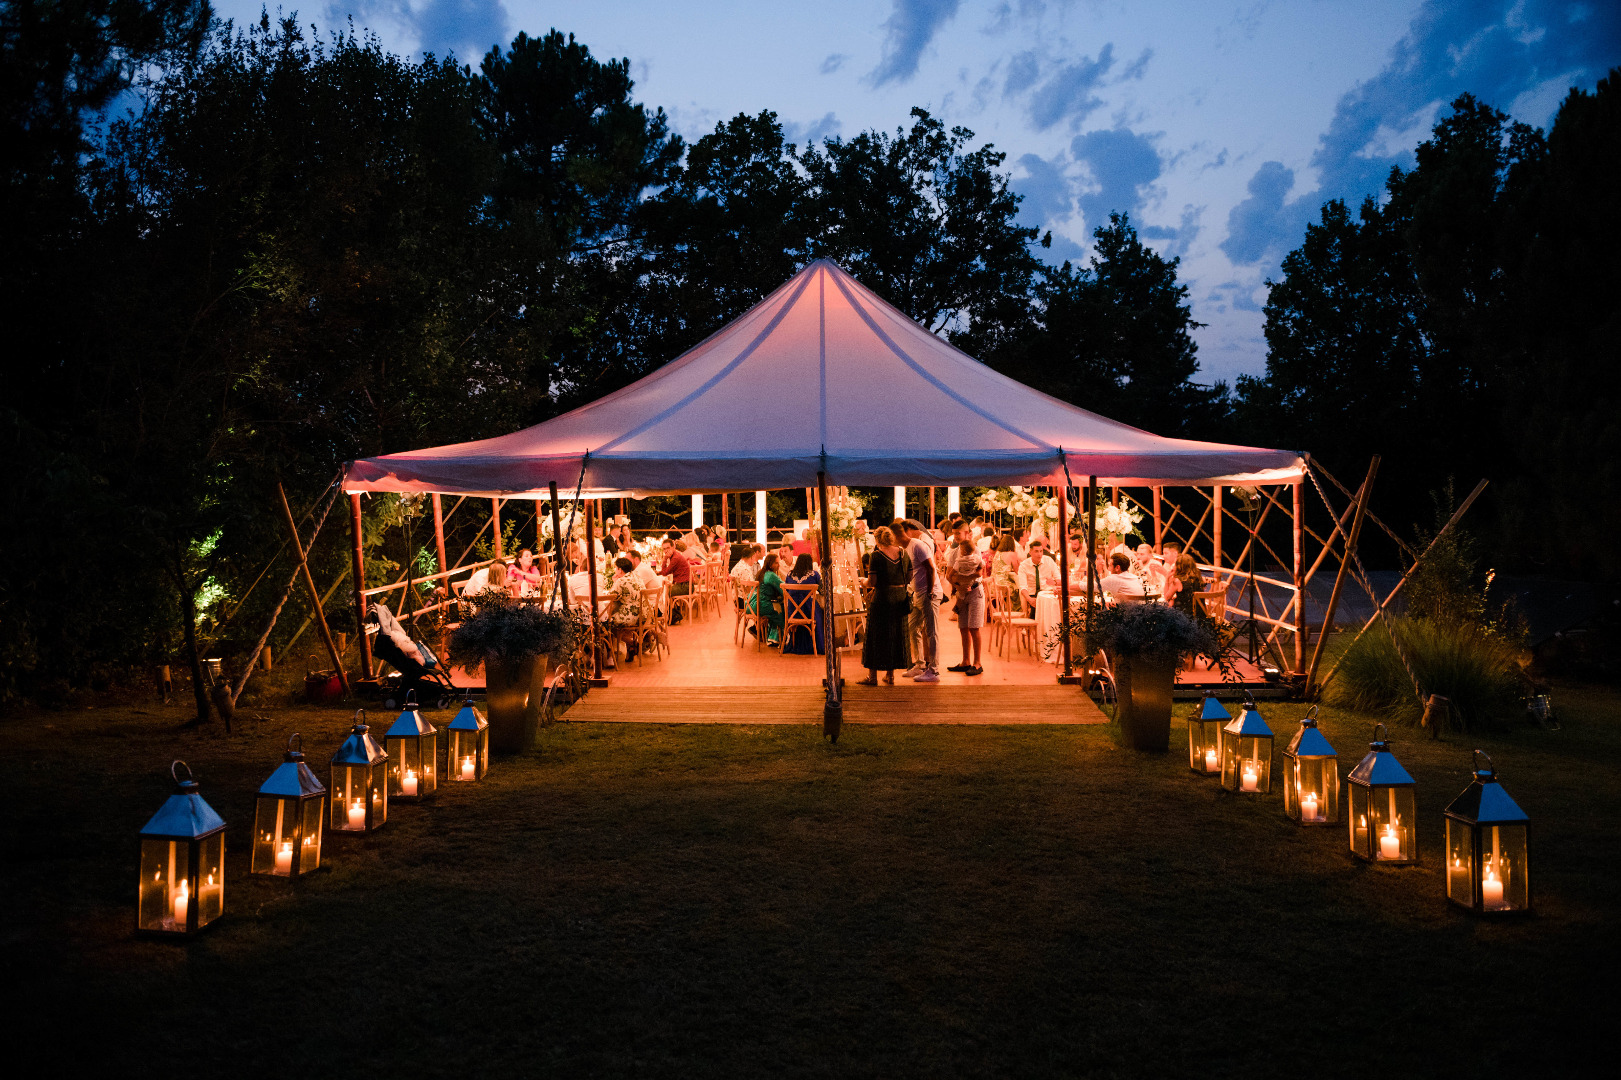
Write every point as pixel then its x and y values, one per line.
pixel 1091 550
pixel 597 677
pixel 1215 558
pixel 495 526
pixel 360 586
pixel 833 707
pixel 559 568
pixel 1339 578
pixel 315 594
pixel 540 517
pixel 1299 522
pixel 932 522
pixel 439 534
pixel 1159 526
pixel 1063 581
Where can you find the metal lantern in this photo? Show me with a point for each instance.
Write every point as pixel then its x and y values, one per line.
pixel 1204 736
pixel 469 751
pixel 1311 776
pixel 1488 862
pixel 413 754
pixel 182 885
pixel 1246 752
pixel 1383 824
pixel 359 791
pixel 287 823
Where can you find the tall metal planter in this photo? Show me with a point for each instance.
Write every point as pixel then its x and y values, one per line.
pixel 514 690
pixel 1145 684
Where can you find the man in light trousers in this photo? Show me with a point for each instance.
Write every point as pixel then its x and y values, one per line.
pixel 920 625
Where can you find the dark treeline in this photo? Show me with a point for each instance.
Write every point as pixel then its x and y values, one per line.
pixel 293 250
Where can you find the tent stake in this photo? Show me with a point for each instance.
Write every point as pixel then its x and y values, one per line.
pixel 1339 578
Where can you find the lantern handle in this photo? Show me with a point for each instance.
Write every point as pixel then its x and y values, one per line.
pixel 1249 700
pixel 1490 769
pixel 1311 716
pixel 410 700
pixel 360 717
pixel 174 772
pixel 1381 733
pixel 291 749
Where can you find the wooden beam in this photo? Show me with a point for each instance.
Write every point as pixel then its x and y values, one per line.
pixel 309 582
pixel 597 677
pixel 1063 578
pixel 495 526
pixel 1300 587
pixel 1339 578
pixel 359 568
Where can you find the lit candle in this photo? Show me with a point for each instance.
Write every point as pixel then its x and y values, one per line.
pixel 357 815
pixel 1251 780
pixel 1210 761
pixel 408 783
pixel 284 857
pixel 467 767
pixel 1491 890
pixel 182 900
pixel 1308 806
pixel 1389 846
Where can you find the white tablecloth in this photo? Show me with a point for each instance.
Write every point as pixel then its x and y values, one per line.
pixel 1047 619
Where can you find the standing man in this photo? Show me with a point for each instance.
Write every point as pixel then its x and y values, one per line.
pixel 921 625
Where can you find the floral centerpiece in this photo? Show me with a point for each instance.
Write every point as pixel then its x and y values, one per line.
pixel 1021 503
pixel 843 511
pixel 1049 512
pixel 1118 522
pixel 572 516
pixel 991 501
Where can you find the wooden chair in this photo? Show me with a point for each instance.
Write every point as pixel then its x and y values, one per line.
pixel 649 631
pixel 1005 624
pixel 1213 604
pixel 687 601
pixel 799 609
pixel 745 617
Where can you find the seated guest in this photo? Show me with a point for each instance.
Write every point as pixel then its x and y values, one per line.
pixel 525 573
pixel 1036 572
pixel 1182 584
pixel 678 570
pixel 803 640
pixel 493 576
pixel 767 600
pixel 643 572
pixel 1005 563
pixel 785 553
pixel 747 571
pixel 1125 586
pixel 624 608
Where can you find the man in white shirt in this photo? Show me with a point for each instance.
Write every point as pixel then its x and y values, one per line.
pixel 747 572
pixel 643 573
pixel 1036 573
pixel 1122 584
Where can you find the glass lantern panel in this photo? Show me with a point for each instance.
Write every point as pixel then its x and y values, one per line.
pixel 1505 881
pixel 1460 863
pixel 1204 747
pixel 404 768
pixel 1291 786
pixel 165 889
pixel 349 797
pixel 483 753
pixel 1254 764
pixel 463 758
pixel 1229 761
pixel 309 857
pixel 1317 787
pixel 274 820
pixel 1391 817
pixel 430 764
pixel 379 795
pixel 211 879
pixel 1358 820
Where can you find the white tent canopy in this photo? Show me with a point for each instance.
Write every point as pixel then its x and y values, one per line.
pixel 822 375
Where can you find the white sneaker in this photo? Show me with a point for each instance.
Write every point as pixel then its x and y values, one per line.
pixel 914 671
pixel 928 675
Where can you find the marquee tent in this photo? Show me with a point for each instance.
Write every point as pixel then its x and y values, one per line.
pixel 821 376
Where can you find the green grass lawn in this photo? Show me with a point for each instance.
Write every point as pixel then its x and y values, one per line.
pixel 639 900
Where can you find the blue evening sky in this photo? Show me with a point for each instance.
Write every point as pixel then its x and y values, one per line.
pixel 1221 127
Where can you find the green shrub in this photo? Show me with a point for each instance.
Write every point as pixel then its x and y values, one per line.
pixel 1477 670
pixel 506 629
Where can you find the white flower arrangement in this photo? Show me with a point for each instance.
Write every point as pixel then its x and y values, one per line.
pixel 1117 521
pixel 565 511
pixel 843 511
pixel 619 520
pixel 991 501
pixel 1049 511
pixel 1022 504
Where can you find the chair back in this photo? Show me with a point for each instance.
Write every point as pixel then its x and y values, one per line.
pixel 1212 602
pixel 800 603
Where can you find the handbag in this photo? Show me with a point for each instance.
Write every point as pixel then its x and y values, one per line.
pixel 321 686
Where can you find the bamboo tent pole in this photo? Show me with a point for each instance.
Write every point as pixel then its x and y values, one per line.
pixel 1091 550
pixel 1300 585
pixel 833 706
pixel 597 678
pixel 439 531
pixel 359 567
pixel 1339 578
pixel 309 582
pixel 1063 579
pixel 495 525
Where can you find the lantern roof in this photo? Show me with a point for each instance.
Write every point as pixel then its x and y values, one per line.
pixel 409 726
pixel 467 719
pixel 1211 709
pixel 1380 767
pixel 1484 801
pixel 184 815
pixel 359 748
pixel 293 780
pixel 1309 741
pixel 1249 723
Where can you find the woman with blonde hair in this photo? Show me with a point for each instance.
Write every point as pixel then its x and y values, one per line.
pixel 889 603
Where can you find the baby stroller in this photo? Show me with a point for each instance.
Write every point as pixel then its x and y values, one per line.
pixel 419 669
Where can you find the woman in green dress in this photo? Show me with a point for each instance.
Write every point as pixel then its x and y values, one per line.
pixel 767 599
pixel 888 605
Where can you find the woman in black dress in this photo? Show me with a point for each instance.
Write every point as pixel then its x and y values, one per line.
pixel 888 605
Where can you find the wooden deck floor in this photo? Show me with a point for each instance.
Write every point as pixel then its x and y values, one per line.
pixel 909 704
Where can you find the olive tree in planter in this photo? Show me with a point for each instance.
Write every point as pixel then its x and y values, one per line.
pixel 1144 642
pixel 512 642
